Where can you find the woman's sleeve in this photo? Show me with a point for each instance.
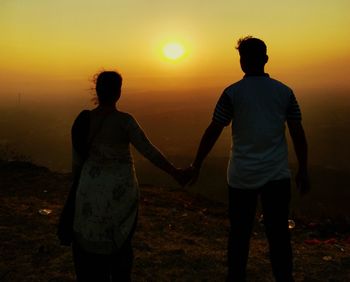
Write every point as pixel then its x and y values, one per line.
pixel 140 141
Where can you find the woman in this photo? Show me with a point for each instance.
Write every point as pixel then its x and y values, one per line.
pixel 107 194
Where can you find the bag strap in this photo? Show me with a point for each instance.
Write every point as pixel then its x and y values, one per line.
pixel 82 139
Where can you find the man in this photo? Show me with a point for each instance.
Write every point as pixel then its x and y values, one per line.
pixel 258 107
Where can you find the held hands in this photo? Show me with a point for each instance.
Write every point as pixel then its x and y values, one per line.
pixel 192 174
pixel 186 176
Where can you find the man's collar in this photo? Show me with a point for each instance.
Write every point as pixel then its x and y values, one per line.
pixel 251 75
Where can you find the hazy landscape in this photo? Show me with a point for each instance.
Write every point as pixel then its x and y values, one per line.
pixel 38 127
pixel 181 236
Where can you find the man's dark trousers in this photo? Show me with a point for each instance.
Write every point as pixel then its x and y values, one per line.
pixel 275 198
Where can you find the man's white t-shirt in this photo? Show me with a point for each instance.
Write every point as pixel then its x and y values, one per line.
pixel 258 107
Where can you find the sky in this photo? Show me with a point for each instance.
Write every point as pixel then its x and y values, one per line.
pixel 60 44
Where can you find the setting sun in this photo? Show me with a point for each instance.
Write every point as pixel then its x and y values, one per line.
pixel 173 51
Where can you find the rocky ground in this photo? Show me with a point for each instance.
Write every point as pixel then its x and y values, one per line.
pixel 180 236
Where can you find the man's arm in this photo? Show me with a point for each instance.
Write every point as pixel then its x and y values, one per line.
pixel 297 134
pixel 222 117
pixel 208 141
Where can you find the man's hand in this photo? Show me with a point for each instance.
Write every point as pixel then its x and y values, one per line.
pixel 185 176
pixel 302 182
pixel 182 176
pixel 192 174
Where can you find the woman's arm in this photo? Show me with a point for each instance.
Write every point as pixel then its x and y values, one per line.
pixel 143 145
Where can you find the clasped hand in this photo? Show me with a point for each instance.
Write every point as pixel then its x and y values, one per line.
pixel 186 176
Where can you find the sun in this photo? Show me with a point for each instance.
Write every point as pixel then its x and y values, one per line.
pixel 173 51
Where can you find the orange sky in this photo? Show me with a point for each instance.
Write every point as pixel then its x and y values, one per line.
pixel 63 43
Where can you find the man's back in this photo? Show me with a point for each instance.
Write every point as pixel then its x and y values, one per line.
pixel 259 108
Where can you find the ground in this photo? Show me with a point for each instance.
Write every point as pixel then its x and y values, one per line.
pixel 180 236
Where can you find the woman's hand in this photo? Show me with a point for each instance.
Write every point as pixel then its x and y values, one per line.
pixel 186 176
pixel 192 173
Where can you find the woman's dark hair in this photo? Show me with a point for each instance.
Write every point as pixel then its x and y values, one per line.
pixel 108 86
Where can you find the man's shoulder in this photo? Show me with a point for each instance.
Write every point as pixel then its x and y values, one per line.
pixel 241 84
pixel 125 115
pixel 280 84
pixel 233 87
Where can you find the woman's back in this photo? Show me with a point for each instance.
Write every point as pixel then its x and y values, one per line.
pixel 111 136
pixel 107 194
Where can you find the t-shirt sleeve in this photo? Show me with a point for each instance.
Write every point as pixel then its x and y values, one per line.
pixel 293 110
pixel 223 112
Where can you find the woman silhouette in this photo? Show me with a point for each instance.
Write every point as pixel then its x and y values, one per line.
pixel 107 193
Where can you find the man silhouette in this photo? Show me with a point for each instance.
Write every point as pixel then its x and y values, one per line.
pixel 258 107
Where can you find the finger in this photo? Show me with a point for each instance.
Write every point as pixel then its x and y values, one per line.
pixel 193 180
pixel 186 176
pixel 183 179
pixel 188 181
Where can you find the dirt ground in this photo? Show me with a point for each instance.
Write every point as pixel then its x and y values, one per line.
pixel 180 236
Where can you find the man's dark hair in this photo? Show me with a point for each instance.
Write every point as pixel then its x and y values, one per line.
pixel 108 86
pixel 251 48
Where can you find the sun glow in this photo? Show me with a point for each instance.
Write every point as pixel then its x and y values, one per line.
pixel 173 51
